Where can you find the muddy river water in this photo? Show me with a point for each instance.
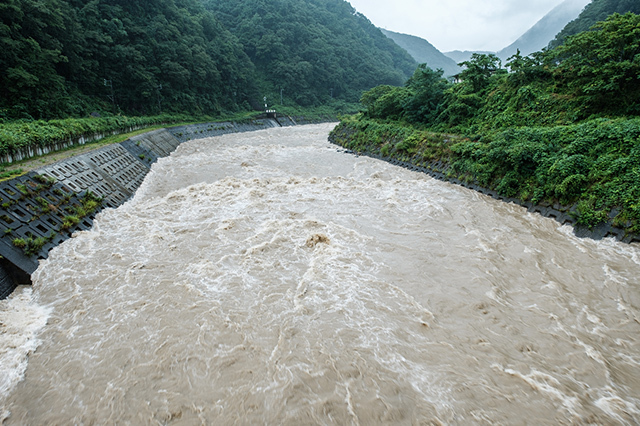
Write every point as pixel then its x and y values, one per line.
pixel 268 278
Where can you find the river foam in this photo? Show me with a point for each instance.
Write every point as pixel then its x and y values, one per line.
pixel 21 319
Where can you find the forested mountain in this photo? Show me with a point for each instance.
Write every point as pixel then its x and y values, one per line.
pixel 558 126
pixel 594 74
pixel 539 36
pixel 597 10
pixel 61 58
pixel 424 52
pixel 66 58
pixel 313 49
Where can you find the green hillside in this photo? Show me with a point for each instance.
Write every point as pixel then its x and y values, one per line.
pixel 558 126
pixel 424 52
pixel 313 49
pixel 69 58
pixel 596 11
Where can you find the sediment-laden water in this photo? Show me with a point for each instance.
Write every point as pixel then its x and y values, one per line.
pixel 266 278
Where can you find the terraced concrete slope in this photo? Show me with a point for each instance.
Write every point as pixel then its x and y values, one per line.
pixel 43 208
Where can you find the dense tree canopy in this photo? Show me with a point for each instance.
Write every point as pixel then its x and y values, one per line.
pixel 596 11
pixel 63 58
pixel 601 67
pixel 30 55
pixel 595 73
pixel 314 49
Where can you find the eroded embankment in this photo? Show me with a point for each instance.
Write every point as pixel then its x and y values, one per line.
pixel 435 155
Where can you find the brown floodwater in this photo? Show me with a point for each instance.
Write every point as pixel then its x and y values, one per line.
pixel 268 278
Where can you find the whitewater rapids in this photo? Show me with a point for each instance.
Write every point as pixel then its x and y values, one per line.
pixel 269 278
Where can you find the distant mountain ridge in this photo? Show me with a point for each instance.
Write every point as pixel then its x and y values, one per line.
pixel 464 55
pixel 569 18
pixel 539 36
pixel 424 52
pixel 597 10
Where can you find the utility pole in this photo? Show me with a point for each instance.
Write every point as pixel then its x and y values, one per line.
pixel 281 90
pixel 109 83
pixel 159 98
pixel 331 93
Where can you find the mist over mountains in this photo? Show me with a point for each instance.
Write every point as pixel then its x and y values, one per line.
pixel 568 18
pixel 464 55
pixel 424 52
pixel 539 36
pixel 535 38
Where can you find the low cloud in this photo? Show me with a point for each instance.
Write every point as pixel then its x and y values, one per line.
pixel 457 24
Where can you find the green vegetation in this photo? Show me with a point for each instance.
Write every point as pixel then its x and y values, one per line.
pixel 324 113
pixel 66 209
pixel 594 74
pixel 19 135
pixel 70 58
pixel 30 134
pixel 559 126
pixel 314 50
pixel 31 245
pixel 65 58
pixel 596 11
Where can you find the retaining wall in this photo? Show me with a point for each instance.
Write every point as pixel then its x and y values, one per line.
pixel 36 206
pixel 19 154
pixel 208 130
pixel 38 209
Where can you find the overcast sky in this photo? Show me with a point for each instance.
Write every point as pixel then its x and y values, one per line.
pixel 457 24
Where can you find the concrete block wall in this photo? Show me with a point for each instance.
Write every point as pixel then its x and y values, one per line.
pixel 208 130
pixel 113 172
pixel 35 205
pixel 31 210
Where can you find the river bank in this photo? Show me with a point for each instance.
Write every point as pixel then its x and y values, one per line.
pixel 44 207
pixel 454 159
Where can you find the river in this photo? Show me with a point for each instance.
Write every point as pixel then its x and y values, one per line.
pixel 269 278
